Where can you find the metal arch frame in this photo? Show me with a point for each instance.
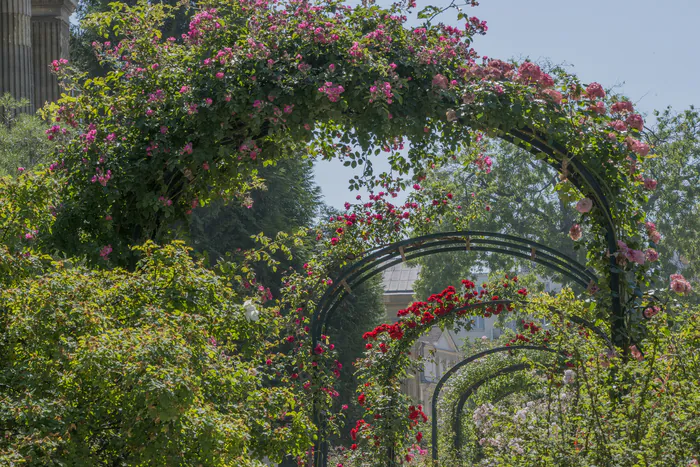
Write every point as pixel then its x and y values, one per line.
pixel 383 258
pixel 576 319
pixel 582 178
pixel 457 425
pixel 452 371
pixel 586 182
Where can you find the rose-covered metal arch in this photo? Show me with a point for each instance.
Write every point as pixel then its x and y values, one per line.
pixel 452 371
pixel 378 260
pixel 472 389
pixel 573 168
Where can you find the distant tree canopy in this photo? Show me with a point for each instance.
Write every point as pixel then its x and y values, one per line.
pixel 23 142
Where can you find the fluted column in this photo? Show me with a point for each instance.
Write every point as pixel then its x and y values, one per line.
pixel 16 50
pixel 50 41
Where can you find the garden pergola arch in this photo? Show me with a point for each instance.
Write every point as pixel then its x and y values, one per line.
pixel 580 176
pixel 585 180
pixel 452 371
pixel 471 390
pixel 376 261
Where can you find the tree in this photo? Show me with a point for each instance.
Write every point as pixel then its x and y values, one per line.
pixel 23 142
pixel 674 205
pixel 289 202
pixel 502 190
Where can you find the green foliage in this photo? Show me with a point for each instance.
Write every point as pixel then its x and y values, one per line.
pixel 521 197
pixel 154 367
pixel 23 143
pixel 289 202
pixel 609 410
pixel 675 204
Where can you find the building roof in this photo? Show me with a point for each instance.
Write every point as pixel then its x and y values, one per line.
pixel 400 278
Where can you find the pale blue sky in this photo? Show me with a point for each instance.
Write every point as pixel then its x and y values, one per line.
pixel 649 48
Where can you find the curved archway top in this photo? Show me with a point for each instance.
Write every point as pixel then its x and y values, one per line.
pixel 380 259
pixel 452 371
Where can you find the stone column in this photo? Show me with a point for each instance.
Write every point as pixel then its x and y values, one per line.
pixel 50 41
pixel 16 50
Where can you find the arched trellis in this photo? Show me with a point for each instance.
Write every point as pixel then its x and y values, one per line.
pixel 472 389
pixel 383 258
pixel 322 447
pixel 452 371
pixel 576 172
pixel 375 261
pixel 508 370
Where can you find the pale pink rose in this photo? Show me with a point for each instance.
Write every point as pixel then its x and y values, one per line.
pixel 575 232
pixel 622 106
pixel 650 184
pixel 618 125
pixel 440 81
pixel 584 205
pixel 652 255
pixel 529 72
pixel 679 284
pixel 650 226
pixel 635 121
pixel 595 90
pixel 598 107
pixel 637 146
pixel 636 256
pixel 655 236
pixel 554 95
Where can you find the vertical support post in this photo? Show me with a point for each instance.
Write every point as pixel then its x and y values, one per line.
pixel 16 50
pixel 50 41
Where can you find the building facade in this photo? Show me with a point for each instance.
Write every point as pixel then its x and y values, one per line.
pixel 440 350
pixel 33 33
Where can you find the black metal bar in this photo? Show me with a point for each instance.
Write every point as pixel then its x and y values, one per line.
pixel 588 185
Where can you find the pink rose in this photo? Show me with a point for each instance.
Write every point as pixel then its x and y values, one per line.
pixel 636 256
pixel 651 255
pixel 655 236
pixel 440 81
pixel 595 90
pixel 635 121
pixel 530 72
pixel 584 205
pixel 637 146
pixel 679 284
pixel 622 106
pixel 575 232
pixel 650 184
pixel 554 95
pixel 651 311
pixel 598 107
pixel 618 125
